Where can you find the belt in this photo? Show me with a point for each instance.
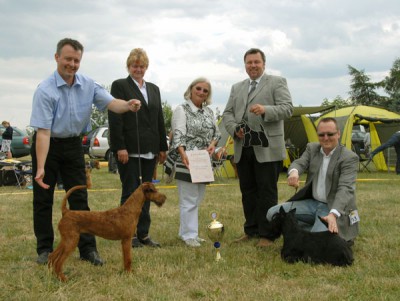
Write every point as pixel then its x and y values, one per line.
pixel 64 140
pixel 55 139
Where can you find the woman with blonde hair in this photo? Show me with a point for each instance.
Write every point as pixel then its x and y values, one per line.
pixel 138 140
pixel 194 128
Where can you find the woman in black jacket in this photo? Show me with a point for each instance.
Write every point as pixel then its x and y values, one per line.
pixel 7 139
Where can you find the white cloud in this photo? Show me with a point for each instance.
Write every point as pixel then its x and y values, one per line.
pixel 308 42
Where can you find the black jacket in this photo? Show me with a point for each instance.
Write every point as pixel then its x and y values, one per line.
pixel 8 133
pixel 123 127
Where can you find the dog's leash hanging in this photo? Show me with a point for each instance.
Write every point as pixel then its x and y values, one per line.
pixel 138 146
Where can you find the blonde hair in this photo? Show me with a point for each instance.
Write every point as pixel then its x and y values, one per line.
pixel 188 93
pixel 137 55
pixel 4 123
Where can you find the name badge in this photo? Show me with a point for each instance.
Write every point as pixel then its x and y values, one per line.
pixel 354 218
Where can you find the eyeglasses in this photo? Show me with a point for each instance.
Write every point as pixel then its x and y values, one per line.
pixel 326 134
pixel 200 88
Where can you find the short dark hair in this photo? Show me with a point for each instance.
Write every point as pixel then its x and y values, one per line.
pixel 328 119
pixel 254 51
pixel 67 41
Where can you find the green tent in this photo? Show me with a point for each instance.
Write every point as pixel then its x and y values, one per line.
pixel 300 129
pixel 382 124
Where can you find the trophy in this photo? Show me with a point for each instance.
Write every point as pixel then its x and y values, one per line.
pixel 215 231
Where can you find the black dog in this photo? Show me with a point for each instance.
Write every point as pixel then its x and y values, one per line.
pixel 310 247
pixel 252 137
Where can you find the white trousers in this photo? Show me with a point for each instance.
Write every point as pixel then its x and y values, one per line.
pixel 190 197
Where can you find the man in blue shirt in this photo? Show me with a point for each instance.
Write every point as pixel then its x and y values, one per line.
pixel 61 109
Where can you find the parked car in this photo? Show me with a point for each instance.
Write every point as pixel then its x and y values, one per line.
pixel 99 147
pixel 86 141
pixel 20 146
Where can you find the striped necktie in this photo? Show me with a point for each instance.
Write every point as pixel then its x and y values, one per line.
pixel 253 86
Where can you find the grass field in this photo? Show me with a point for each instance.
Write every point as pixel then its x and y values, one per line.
pixel 177 272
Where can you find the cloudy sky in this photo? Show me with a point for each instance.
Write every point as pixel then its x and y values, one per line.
pixel 310 42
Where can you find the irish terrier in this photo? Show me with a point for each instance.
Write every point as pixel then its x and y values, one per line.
pixel 114 224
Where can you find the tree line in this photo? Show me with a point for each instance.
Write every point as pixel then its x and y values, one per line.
pixel 363 91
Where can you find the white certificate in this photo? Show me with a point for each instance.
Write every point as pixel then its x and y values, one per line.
pixel 200 166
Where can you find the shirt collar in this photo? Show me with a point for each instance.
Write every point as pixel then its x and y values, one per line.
pixel 257 80
pixel 61 82
pixel 137 84
pixel 193 107
pixel 328 155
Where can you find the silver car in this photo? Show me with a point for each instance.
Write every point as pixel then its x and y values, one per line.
pixel 99 147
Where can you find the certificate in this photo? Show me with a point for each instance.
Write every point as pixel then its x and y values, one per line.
pixel 200 166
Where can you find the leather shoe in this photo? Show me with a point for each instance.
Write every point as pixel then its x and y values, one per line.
pixel 136 243
pixel 93 257
pixel 263 243
pixel 243 238
pixel 149 242
pixel 43 258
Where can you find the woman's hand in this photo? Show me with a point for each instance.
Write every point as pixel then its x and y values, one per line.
pixel 123 156
pixel 211 149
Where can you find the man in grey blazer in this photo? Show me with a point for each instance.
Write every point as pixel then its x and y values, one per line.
pixel 329 191
pixel 254 118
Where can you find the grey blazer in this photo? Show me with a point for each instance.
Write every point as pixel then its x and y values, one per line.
pixel 271 92
pixel 340 183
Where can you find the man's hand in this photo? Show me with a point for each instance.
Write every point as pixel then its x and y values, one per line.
pixel 293 179
pixel 257 109
pixel 134 105
pixel 239 133
pixel 330 219
pixel 39 179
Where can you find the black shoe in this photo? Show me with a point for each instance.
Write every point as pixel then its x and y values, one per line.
pixel 149 242
pixel 94 258
pixel 136 243
pixel 43 258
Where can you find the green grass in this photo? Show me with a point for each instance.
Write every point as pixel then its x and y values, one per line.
pixel 177 272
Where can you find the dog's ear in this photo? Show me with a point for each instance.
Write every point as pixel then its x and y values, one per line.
pixel 281 210
pixel 293 211
pixel 148 187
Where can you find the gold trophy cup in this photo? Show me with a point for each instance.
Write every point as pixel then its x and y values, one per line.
pixel 215 231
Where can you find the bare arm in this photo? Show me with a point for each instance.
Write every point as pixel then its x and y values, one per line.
pixel 42 149
pixel 121 106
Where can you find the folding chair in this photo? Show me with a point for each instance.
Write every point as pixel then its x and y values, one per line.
pixel 363 163
pixel 23 173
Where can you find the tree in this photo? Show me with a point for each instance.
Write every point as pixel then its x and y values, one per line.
pixel 338 102
pixel 167 112
pixel 391 85
pixel 98 118
pixel 362 89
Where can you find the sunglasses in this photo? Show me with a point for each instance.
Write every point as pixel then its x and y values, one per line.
pixel 326 134
pixel 200 88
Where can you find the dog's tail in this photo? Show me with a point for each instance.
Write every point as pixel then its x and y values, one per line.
pixel 64 208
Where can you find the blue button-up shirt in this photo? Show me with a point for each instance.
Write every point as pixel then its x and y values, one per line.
pixel 64 109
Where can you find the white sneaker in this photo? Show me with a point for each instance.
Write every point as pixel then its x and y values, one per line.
pixel 192 242
pixel 199 239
